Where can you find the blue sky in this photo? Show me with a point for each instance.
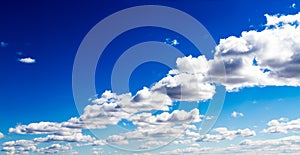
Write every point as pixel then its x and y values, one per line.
pixel 39 42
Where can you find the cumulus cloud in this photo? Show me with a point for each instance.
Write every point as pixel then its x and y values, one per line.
pixel 285 145
pixel 288 145
pixel 44 128
pixel 256 58
pixel 235 114
pixel 18 147
pixel 78 137
pixel 1 135
pixel 225 134
pixel 274 50
pixel 270 57
pixel 165 118
pixel 283 126
pixel 54 148
pixel 27 60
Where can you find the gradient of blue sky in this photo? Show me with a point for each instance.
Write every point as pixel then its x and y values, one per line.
pixel 51 31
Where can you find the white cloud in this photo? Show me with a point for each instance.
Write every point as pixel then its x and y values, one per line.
pixel 165 118
pixel 235 114
pixel 1 135
pixel 275 50
pixel 44 128
pixel 189 150
pixel 54 149
pixel 285 145
pixel 225 134
pixel 117 139
pixel 27 60
pixel 171 42
pixel 18 147
pixel 278 20
pixel 283 126
pixel 189 82
pixel 77 137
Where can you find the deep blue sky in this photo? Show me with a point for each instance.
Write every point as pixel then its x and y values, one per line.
pixel 51 32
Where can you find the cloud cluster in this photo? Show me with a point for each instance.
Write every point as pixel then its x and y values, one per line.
pixel 283 126
pixel 286 145
pixel 270 57
pixel 221 134
pixel 54 148
pixel 256 58
pixel 18 147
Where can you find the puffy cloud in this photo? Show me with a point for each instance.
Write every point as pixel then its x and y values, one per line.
pixel 18 147
pixel 77 137
pixel 54 148
pixel 279 20
pixel 117 139
pixel 256 58
pixel 152 144
pixel 1 135
pixel 146 135
pixel 282 125
pixel 225 134
pixel 285 145
pixel 144 100
pixel 288 145
pixel 44 128
pixel 270 57
pixel 235 114
pixel 165 118
pixel 27 60
pixel 164 126
pixel 189 82
pixel 266 58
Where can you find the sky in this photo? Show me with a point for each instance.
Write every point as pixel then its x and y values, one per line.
pixel 252 77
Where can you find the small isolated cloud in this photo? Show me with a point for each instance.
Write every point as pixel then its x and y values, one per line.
pixel 1 135
pixel 293 6
pixel 172 42
pixel 235 114
pixel 27 60
pixel 3 44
